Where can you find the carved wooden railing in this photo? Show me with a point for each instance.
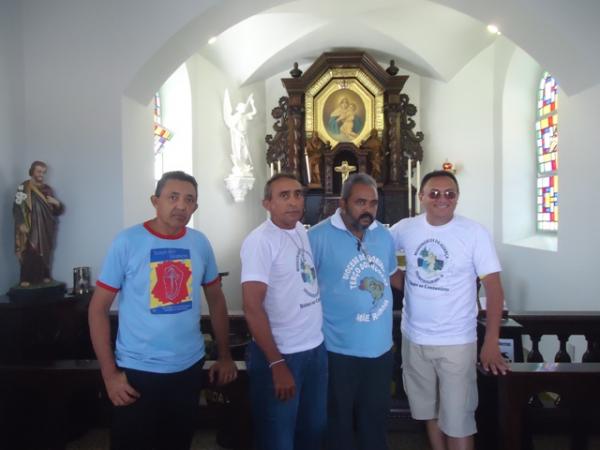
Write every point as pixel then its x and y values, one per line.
pixel 577 411
pixel 562 324
pixel 577 416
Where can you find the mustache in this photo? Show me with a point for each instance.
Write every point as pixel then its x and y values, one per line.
pixel 366 216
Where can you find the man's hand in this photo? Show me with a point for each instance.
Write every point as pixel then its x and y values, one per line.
pixel 491 358
pixel 120 392
pixel 283 381
pixel 223 371
pixel 52 201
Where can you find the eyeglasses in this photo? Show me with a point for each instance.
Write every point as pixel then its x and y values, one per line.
pixel 434 194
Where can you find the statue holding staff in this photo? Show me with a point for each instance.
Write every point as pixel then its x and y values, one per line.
pixel 35 211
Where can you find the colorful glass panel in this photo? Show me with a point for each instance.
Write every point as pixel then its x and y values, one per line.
pixel 546 129
pixel 547 203
pixel 157 116
pixel 548 95
pixel 161 134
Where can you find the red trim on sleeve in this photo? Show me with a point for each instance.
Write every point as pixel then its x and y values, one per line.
pixel 107 287
pixel 210 283
pixel 179 235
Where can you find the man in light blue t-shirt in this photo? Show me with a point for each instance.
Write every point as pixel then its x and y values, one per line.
pixel 355 262
pixel 153 377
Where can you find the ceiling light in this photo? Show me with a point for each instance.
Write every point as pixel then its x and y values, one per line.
pixel 212 40
pixel 493 29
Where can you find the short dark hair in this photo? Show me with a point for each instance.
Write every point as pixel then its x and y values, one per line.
pixel 436 174
pixel 278 176
pixel 35 164
pixel 175 175
pixel 357 178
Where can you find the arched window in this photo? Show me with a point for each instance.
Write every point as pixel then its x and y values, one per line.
pixel 547 154
pixel 173 125
pixel 161 136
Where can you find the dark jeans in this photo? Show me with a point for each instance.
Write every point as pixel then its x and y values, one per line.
pixel 359 388
pixel 164 416
pixel 298 423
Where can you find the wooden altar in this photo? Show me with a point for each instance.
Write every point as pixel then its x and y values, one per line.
pixel 346 114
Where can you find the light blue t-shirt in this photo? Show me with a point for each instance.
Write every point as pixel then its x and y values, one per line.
pixel 159 278
pixel 354 280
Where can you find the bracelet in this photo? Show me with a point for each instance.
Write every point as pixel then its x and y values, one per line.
pixel 274 363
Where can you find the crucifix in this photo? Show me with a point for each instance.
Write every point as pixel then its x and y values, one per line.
pixel 345 169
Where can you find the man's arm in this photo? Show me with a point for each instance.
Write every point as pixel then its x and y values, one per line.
pixel 224 368
pixel 490 356
pixel 253 294
pixel 120 392
pixel 397 280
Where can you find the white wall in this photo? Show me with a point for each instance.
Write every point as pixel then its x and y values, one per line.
pixel 224 221
pixel 79 58
pixel 536 278
pixel 457 119
pixel 518 147
pixel 176 115
pixel 12 171
pixel 564 280
pixel 69 63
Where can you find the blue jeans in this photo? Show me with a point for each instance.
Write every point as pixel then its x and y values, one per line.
pixel 298 423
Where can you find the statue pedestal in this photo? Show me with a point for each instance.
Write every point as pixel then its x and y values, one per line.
pixel 54 289
pixel 239 185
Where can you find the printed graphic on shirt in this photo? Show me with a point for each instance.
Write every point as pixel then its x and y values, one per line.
pixel 306 268
pixel 373 283
pixel 432 260
pixel 373 286
pixel 170 280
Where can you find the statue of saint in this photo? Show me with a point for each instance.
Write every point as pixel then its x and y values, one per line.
pixel 237 122
pixel 345 169
pixel 373 145
pixel 314 150
pixel 35 209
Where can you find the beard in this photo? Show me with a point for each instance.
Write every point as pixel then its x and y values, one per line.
pixel 359 225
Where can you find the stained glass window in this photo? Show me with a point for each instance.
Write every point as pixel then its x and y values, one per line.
pixel 161 136
pixel 547 154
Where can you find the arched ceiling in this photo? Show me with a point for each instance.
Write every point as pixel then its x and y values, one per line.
pixel 432 38
pixel 423 37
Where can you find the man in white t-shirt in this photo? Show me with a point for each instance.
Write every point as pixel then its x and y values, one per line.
pixel 286 361
pixel 445 254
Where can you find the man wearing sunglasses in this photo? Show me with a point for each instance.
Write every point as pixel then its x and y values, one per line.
pixel 445 253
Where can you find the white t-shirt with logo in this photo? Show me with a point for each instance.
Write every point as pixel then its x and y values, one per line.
pixel 442 264
pixel 282 259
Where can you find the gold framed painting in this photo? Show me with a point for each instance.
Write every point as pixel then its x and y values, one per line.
pixel 344 112
pixel 344 109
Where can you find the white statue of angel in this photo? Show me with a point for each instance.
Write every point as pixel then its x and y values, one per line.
pixel 237 122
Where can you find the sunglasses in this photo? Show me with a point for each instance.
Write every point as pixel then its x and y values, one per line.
pixel 434 194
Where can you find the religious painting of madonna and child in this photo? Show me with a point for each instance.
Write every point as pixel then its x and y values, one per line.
pixel 344 115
